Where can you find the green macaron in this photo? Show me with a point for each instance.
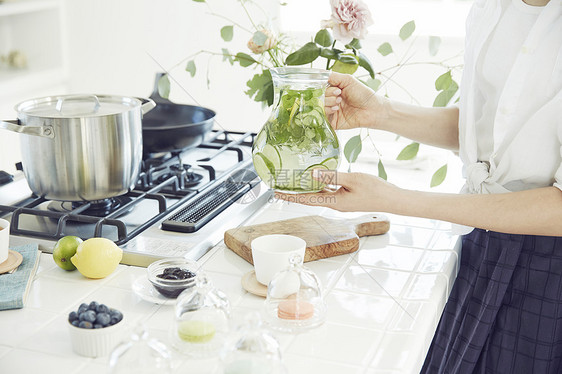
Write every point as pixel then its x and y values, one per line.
pixel 196 331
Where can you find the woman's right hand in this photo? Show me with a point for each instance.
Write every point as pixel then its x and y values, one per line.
pixel 350 104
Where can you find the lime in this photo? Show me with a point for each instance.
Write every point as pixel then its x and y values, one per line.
pixel 331 163
pixel 64 249
pixel 264 168
pixel 196 331
pixel 307 183
pixel 272 154
pixel 97 257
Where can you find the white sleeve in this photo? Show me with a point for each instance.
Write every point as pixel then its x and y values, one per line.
pixel 558 117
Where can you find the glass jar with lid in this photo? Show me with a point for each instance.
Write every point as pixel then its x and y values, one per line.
pixel 140 354
pixel 252 349
pixel 297 137
pixel 294 299
pixel 201 319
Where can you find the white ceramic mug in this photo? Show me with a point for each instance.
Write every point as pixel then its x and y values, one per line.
pixel 4 239
pixel 271 254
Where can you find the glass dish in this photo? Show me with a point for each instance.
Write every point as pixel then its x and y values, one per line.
pixel 160 275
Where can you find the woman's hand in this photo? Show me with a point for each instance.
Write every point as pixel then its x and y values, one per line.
pixel 358 192
pixel 350 104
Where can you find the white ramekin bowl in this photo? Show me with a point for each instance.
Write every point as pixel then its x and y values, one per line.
pixel 97 342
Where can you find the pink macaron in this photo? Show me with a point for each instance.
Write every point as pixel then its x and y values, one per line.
pixel 295 309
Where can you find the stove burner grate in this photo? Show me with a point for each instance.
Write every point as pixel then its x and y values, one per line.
pixel 193 201
pixel 98 208
pixel 186 178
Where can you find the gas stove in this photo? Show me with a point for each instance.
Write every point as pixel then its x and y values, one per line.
pixel 180 207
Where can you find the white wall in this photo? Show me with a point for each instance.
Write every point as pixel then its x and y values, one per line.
pixel 115 47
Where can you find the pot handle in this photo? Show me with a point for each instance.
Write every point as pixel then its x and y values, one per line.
pixel 94 98
pixel 147 104
pixel 43 131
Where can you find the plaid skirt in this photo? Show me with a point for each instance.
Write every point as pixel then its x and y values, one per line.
pixel 504 314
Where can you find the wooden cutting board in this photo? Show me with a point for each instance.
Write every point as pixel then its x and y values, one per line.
pixel 325 237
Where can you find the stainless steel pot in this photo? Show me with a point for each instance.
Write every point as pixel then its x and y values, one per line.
pixel 80 147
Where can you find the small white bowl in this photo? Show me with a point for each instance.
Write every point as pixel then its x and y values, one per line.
pixel 96 342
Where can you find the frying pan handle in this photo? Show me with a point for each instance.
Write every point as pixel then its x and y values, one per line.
pixel 147 104
pixel 155 95
pixel 43 131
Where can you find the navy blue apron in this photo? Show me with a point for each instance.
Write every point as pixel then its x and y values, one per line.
pixel 504 314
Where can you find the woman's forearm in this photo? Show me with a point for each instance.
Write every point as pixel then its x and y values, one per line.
pixel 437 127
pixel 535 212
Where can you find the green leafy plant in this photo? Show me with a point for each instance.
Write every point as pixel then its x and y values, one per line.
pixel 337 47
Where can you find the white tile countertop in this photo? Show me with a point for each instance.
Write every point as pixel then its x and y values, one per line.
pixel 384 302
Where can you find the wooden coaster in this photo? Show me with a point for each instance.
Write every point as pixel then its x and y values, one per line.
pixel 251 284
pixel 13 261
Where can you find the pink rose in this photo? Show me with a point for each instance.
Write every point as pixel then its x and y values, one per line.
pixel 350 19
pixel 266 41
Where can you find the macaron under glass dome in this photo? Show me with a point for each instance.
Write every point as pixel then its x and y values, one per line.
pixel 201 320
pixel 294 299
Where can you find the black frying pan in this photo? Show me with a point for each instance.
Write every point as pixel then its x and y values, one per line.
pixel 174 127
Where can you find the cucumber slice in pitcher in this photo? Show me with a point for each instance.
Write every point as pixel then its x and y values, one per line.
pixel 272 154
pixel 331 163
pixel 307 183
pixel 264 168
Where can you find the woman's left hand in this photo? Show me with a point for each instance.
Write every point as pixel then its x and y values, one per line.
pixel 358 192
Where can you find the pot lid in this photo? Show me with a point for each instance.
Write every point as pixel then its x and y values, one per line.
pixel 77 106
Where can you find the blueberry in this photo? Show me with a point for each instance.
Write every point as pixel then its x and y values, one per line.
pixel 102 308
pixel 114 313
pixel 175 273
pixel 103 319
pixel 170 270
pixel 72 316
pixel 89 316
pixel 86 325
pixel 98 326
pixel 93 305
pixel 75 323
pixel 82 308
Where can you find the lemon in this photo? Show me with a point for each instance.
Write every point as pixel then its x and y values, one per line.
pixel 97 257
pixel 64 249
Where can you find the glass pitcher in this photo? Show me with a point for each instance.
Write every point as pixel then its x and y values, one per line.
pixel 297 137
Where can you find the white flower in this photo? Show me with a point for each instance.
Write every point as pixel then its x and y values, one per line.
pixel 262 40
pixel 350 19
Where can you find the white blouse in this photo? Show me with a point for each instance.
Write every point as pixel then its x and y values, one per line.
pixel 523 146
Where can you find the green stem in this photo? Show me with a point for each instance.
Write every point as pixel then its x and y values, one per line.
pixel 437 63
pixel 401 87
pixel 328 60
pixel 248 14
pixel 231 21
pixel 373 143
pixel 275 62
pixel 187 58
pixel 212 54
pixel 266 15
